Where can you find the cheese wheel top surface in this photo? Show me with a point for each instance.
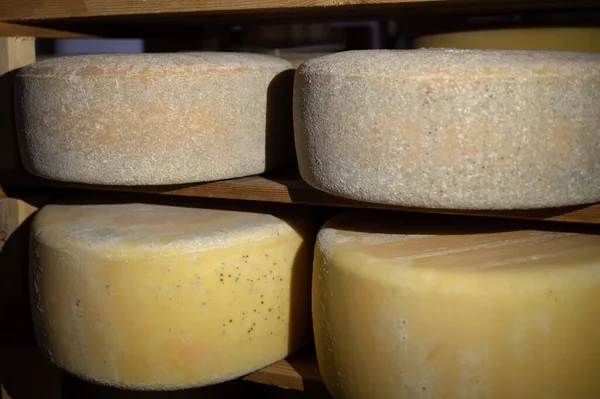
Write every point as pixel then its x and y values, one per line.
pixel 548 38
pixel 139 64
pixel 448 62
pixel 454 129
pixel 394 244
pixel 154 119
pixel 130 228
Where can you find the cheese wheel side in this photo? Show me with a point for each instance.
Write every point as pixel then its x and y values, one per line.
pixel 451 128
pixel 414 313
pixel 158 297
pixel 148 119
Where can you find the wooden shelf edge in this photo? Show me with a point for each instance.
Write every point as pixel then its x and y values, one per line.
pixel 298 372
pixel 21 11
pixel 17 30
pixel 290 188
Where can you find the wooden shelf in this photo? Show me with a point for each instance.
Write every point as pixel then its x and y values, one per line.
pixel 299 372
pixel 15 10
pixel 8 29
pixel 288 187
pixel 139 18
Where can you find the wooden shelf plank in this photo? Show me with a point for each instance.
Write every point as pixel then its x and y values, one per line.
pixel 288 187
pixel 27 10
pixel 16 30
pixel 299 372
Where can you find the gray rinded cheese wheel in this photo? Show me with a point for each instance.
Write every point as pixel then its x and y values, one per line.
pixel 145 119
pixel 469 129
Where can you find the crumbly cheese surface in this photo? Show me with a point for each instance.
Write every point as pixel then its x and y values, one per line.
pixel 443 128
pixel 146 119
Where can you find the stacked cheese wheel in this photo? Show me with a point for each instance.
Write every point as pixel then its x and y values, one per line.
pixel 147 119
pixel 161 297
pixel 427 309
pixel 469 129
pixel 585 39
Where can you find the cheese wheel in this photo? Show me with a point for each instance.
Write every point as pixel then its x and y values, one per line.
pixel 469 129
pixel 146 119
pixel 570 39
pixel 414 310
pixel 159 297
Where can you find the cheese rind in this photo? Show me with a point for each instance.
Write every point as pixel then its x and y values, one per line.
pixel 451 128
pixel 158 297
pixel 423 311
pixel 145 119
pixel 563 38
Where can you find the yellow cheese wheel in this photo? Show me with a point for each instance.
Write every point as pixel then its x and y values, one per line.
pixel 159 297
pixel 410 310
pixel 570 39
